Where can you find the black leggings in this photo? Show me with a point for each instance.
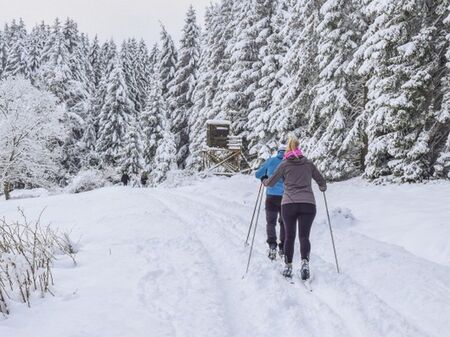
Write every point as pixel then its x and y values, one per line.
pixel 304 214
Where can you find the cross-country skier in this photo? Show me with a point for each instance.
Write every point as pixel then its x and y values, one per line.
pixel 273 202
pixel 298 204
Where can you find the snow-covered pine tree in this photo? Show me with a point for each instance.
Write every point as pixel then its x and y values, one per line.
pixel 422 77
pixel 152 120
pixel 401 67
pixel 108 56
pixel 153 59
pixel 115 117
pixel 167 62
pixel 331 111
pixel 222 39
pixel 131 161
pixel 165 156
pixel 79 92
pixel 17 57
pixel 271 52
pixel 241 79
pixel 3 50
pixel 85 49
pixel 442 164
pixel 299 73
pixel 128 56
pixel 76 96
pixel 95 60
pixel 293 15
pixel 183 84
pixel 144 70
pixel 35 45
pixel 204 90
pixel 55 73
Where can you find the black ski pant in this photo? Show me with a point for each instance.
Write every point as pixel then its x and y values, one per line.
pixel 301 215
pixel 273 213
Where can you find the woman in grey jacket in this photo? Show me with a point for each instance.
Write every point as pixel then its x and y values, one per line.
pixel 298 206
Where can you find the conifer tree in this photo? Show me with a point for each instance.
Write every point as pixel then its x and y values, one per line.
pixel 55 73
pixel 108 57
pixel 400 67
pixel 165 157
pixel 331 110
pixel 127 54
pixel 183 84
pixel 95 60
pixel 240 83
pixel 298 73
pixel 152 119
pixel 131 158
pixel 35 45
pixel 153 59
pixel 223 39
pixel 205 88
pixel 167 61
pixel 115 117
pixel 144 70
pixel 3 50
pixel 271 52
pixel 442 165
pixel 17 57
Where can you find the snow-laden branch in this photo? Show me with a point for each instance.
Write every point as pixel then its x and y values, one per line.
pixel 30 125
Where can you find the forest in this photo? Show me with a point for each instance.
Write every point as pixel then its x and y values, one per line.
pixel 364 84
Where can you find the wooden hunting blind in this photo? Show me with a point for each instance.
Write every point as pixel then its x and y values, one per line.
pixel 217 133
pixel 223 152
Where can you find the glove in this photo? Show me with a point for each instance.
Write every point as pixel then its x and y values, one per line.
pixel 323 188
pixel 264 177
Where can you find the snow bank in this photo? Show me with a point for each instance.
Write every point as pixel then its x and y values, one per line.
pixel 31 193
pixel 86 180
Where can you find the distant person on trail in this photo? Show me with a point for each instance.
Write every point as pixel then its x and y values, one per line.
pixel 273 203
pixel 125 179
pixel 298 206
pixel 144 179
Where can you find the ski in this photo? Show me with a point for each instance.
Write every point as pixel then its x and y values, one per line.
pixel 306 283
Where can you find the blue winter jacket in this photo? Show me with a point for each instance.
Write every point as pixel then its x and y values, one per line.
pixel 268 169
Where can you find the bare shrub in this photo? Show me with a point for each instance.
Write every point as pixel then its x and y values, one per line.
pixel 27 253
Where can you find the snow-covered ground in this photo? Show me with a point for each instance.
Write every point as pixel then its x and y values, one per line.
pixel 170 261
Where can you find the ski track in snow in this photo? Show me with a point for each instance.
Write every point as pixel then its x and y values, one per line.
pixel 178 271
pixel 346 301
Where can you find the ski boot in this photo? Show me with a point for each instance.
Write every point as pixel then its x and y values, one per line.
pixel 272 253
pixel 287 272
pixel 304 271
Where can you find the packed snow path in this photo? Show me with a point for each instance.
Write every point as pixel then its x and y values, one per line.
pixel 170 261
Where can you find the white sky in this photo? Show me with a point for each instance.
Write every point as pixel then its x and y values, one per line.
pixel 107 18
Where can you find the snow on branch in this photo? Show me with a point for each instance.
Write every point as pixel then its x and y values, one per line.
pixel 27 253
pixel 31 127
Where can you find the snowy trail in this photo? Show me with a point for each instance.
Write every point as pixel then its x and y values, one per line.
pixel 351 302
pixel 169 262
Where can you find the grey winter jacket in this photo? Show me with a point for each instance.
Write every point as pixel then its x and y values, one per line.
pixel 297 174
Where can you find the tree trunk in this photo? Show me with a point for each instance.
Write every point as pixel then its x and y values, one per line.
pixel 6 189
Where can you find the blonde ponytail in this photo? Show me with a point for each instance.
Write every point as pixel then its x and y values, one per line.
pixel 293 143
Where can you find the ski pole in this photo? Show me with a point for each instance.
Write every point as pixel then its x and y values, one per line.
pixel 253 216
pixel 254 233
pixel 331 232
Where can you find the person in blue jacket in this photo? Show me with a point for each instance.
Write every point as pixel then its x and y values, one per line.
pixel 273 202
